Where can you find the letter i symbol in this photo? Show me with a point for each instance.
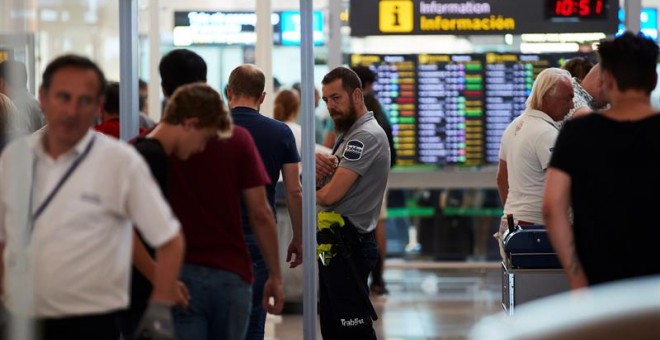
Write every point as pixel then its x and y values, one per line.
pixel 395 13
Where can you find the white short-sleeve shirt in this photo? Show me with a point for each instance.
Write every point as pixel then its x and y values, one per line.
pixel 526 147
pixel 80 247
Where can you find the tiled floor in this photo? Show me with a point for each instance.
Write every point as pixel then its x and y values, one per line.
pixel 423 304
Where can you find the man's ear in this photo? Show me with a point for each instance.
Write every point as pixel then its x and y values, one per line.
pixel 357 96
pixel 229 94
pixel 609 83
pixel 262 98
pixel 162 89
pixel 42 96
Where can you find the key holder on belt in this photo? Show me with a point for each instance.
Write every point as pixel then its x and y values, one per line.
pixel 331 222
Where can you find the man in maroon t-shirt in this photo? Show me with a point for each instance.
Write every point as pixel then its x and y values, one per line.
pixel 205 194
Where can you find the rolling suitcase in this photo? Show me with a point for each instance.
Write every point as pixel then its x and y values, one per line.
pixel 529 247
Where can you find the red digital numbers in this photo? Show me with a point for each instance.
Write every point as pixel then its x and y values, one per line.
pixel 584 8
pixel 599 7
pixel 578 8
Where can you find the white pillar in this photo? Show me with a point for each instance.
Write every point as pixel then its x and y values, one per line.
pixel 154 60
pixel 633 9
pixel 264 52
pixel 334 34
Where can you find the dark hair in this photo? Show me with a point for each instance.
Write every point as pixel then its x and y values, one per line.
pixel 296 87
pixel 287 104
pixel 578 67
pixel 14 73
pixel 349 79
pixel 366 75
pixel 197 100
pixel 142 98
pixel 631 59
pixel 111 104
pixel 72 61
pixel 181 67
pixel 247 81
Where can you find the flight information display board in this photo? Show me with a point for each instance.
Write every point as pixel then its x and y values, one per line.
pixel 450 115
pixel 396 90
pixel 452 109
pixel 508 79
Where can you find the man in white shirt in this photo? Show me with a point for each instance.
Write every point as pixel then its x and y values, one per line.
pixel 69 198
pixel 527 145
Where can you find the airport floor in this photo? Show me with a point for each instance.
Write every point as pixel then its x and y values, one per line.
pixel 426 300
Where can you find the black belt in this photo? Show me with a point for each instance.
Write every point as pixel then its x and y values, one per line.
pixel 350 234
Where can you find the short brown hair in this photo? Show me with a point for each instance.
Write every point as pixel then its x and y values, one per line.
pixel 349 79
pixel 578 67
pixel 286 105
pixel 197 100
pixel 247 81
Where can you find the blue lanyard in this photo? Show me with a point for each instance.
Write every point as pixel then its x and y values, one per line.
pixel 59 185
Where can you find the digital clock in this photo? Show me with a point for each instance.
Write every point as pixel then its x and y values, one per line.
pixel 579 9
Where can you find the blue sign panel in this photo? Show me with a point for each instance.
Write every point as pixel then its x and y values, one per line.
pixel 648 22
pixel 290 28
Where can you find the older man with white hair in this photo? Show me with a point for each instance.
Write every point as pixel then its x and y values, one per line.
pixel 527 145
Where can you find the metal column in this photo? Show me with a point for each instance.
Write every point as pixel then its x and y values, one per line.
pixel 128 72
pixel 308 176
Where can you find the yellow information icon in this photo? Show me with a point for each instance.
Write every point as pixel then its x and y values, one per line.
pixel 395 16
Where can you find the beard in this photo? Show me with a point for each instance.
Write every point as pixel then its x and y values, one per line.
pixel 344 121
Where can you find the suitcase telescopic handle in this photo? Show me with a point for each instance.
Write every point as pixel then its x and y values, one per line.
pixel 509 220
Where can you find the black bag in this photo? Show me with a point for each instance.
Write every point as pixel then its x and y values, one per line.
pixel 528 247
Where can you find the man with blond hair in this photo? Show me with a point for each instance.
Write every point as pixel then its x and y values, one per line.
pixel 527 145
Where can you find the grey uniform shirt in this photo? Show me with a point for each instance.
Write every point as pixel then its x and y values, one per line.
pixel 364 150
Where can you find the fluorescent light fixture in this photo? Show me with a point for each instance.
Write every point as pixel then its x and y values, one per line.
pixel 548 47
pixel 182 36
pixel 562 37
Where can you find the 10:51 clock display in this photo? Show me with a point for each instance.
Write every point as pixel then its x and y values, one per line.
pixel 586 9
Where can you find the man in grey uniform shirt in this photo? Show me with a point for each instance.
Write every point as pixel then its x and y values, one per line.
pixel 350 182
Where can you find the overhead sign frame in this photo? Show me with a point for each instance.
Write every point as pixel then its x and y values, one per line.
pixel 470 17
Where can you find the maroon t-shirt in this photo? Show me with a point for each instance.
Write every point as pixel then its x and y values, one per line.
pixel 205 194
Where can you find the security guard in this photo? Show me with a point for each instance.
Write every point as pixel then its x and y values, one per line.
pixel 350 182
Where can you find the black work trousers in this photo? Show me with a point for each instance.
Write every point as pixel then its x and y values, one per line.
pixel 343 312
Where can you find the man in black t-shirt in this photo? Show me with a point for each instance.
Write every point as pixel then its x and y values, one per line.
pixel 607 167
pixel 368 77
pixel 194 114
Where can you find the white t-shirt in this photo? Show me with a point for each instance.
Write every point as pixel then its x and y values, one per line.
pixel 297 134
pixel 79 250
pixel 526 147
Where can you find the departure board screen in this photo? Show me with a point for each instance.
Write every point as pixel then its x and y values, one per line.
pixel 450 115
pixel 452 109
pixel 395 89
pixel 508 79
